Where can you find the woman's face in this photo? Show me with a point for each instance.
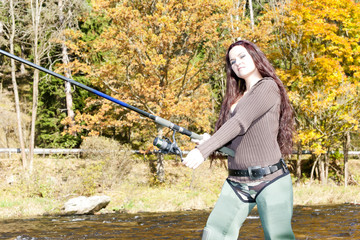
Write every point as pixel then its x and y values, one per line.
pixel 242 63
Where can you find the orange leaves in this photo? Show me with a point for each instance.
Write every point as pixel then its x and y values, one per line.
pixel 155 57
pixel 159 57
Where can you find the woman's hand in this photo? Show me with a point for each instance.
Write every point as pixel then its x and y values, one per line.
pixel 205 137
pixel 193 159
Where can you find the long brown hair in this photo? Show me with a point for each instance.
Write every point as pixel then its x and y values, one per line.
pixel 235 88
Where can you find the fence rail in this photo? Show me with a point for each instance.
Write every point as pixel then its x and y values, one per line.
pixel 48 151
pixel 65 151
pixel 43 150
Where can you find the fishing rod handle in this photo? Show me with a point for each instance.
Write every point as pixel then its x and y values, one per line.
pixel 167 123
pixel 193 135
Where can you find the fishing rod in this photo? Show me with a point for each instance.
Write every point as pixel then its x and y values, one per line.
pixel 165 145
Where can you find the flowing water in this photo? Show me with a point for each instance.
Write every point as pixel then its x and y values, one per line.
pixel 320 222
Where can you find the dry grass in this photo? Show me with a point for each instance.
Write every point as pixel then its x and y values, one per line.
pixel 317 194
pixel 184 189
pixel 55 180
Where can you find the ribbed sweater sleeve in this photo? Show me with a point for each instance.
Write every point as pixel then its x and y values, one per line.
pixel 260 99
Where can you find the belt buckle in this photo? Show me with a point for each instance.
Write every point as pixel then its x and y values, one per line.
pixel 251 175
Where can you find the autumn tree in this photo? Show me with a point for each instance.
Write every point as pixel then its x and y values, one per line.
pixel 155 56
pixel 317 53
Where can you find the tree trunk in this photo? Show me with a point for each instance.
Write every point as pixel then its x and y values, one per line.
pixel 68 94
pixel 33 117
pixel 327 164
pixel 346 146
pixel 313 167
pixel 160 170
pixel 251 14
pixel 67 71
pixel 22 65
pixel 322 170
pixel 16 93
pixel 1 57
pixel 298 164
pixel 235 17
pixel 36 11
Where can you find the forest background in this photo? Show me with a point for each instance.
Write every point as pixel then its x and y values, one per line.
pixel 167 58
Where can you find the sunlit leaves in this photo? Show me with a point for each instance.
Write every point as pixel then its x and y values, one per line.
pixel 156 56
pixel 318 43
pixel 165 56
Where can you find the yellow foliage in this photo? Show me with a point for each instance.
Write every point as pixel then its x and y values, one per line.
pixel 164 57
pixel 318 55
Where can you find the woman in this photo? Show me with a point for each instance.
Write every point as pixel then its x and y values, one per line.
pixel 256 122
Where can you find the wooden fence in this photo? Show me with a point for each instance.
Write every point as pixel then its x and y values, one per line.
pixel 77 151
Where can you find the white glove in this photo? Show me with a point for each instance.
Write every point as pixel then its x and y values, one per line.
pixel 193 159
pixel 205 137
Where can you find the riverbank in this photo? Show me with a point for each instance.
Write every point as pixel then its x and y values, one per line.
pixel 55 180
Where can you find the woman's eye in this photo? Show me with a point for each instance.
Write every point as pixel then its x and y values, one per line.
pixel 242 56
pixel 233 62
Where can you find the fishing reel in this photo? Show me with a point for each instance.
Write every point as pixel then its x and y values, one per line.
pixel 166 146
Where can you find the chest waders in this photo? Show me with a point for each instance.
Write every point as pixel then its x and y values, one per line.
pixel 275 207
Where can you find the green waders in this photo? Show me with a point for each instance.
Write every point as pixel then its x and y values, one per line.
pixel 275 207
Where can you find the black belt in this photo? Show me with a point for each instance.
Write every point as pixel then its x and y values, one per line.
pixel 258 172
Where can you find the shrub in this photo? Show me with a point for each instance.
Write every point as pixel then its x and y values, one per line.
pixel 108 163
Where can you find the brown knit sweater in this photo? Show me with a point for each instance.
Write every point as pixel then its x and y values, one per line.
pixel 251 131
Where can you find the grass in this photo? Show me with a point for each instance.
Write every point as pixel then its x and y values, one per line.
pixel 55 180
pixel 18 207
pixel 317 194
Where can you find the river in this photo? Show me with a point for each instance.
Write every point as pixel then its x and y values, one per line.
pixel 309 222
